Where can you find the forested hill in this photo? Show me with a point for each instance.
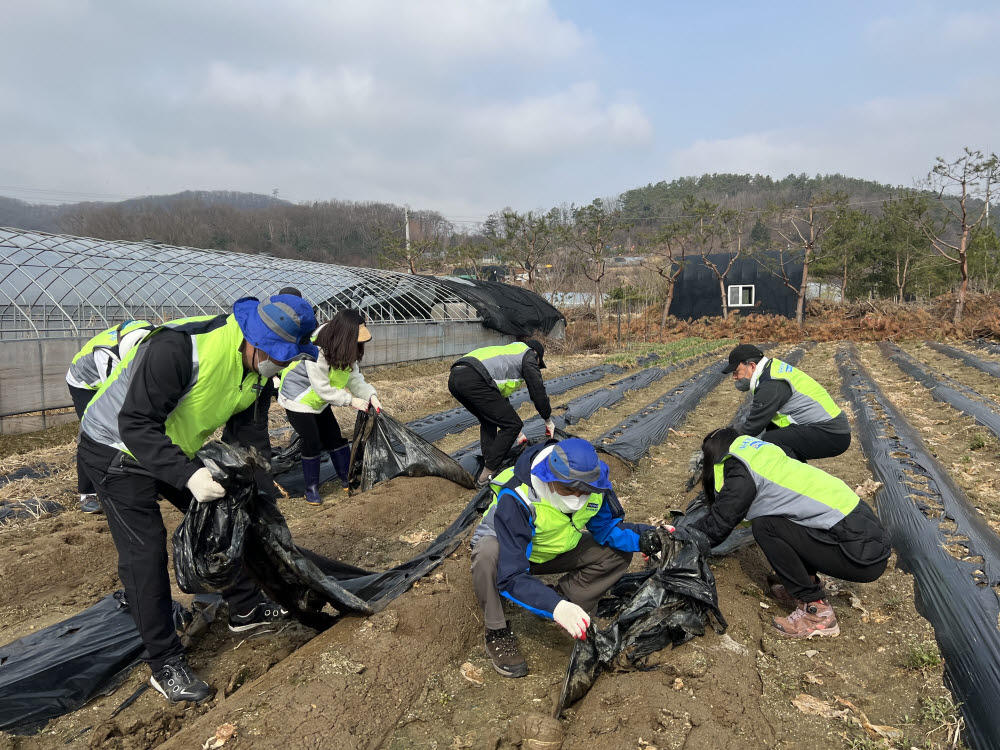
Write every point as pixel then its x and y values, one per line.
pixel 746 191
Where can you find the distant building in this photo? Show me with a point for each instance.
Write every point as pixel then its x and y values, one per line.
pixel 750 288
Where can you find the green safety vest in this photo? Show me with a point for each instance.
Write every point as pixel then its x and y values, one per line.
pixel 83 368
pixel 788 488
pixel 555 532
pixel 295 385
pixel 809 402
pixel 502 364
pixel 219 389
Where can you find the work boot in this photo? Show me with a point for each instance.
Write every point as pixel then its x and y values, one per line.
pixel 814 618
pixel 501 647
pixel 778 591
pixel 484 477
pixel 89 504
pixel 265 613
pixel 177 682
pixel 341 458
pixel 310 471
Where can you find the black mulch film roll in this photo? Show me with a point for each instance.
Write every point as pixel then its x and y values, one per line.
pixel 958 598
pixel 989 346
pixel 664 606
pixel 970 360
pixel 966 400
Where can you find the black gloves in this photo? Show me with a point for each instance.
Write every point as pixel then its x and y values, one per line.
pixel 649 542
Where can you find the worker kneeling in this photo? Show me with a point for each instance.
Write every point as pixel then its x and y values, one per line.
pixel 805 521
pixel 553 512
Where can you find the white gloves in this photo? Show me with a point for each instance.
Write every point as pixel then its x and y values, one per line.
pixel 550 428
pixel 521 439
pixel 359 404
pixel 203 487
pixel 572 618
pixel 375 402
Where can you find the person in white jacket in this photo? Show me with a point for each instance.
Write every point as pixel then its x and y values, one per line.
pixel 309 389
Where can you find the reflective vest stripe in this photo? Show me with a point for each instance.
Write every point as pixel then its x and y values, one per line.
pixel 503 364
pixel 295 385
pixel 809 402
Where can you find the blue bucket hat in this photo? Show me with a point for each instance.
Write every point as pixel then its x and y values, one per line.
pixel 280 326
pixel 574 462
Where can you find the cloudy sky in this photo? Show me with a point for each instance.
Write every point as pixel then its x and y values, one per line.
pixel 467 106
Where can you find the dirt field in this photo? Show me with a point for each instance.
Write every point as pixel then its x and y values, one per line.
pixel 394 681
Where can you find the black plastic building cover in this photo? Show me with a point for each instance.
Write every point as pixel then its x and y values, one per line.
pixel 59 668
pixel 664 606
pixel 384 449
pixel 966 400
pixel 697 295
pixel 507 309
pixel 633 438
pixel 971 360
pixel 959 601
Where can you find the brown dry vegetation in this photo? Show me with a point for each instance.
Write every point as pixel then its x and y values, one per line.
pixel 393 680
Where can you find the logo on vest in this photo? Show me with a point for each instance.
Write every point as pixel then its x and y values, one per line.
pixel 749 442
pixel 785 368
pixel 593 506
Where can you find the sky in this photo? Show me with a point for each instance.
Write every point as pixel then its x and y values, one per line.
pixel 470 106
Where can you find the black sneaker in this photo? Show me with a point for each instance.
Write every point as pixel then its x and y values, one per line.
pixel 501 647
pixel 265 613
pixel 89 504
pixel 177 682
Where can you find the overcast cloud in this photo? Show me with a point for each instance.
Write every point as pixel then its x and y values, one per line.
pixel 467 106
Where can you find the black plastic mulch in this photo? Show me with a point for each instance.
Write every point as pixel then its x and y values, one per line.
pixel 970 360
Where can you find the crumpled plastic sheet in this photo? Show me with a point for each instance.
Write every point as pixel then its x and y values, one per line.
pixel 60 668
pixel 435 426
pixel 633 438
pixel 27 472
pixel 383 448
pixel 208 543
pixel 990 346
pixel 956 596
pixel 966 400
pixel 664 606
pixel 971 360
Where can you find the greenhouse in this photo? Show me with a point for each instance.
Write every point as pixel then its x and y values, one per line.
pixel 58 291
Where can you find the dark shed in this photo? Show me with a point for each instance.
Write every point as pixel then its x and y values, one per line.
pixel 750 288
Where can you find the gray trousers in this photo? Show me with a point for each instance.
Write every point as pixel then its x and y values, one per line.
pixel 590 571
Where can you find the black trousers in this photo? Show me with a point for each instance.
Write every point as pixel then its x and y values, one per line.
pixel 798 553
pixel 499 424
pixel 319 432
pixel 806 442
pixel 130 499
pixel 81 397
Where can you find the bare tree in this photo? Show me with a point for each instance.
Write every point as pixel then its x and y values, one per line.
pixel 594 228
pixel 802 228
pixel 970 176
pixel 423 250
pixel 727 228
pixel 666 255
pixel 527 241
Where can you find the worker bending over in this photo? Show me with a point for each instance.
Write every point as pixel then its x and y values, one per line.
pixel 140 437
pixel 309 389
pixel 553 512
pixel 483 380
pixel 805 521
pixel 795 411
pixel 89 369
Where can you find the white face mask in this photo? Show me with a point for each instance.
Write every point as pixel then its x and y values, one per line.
pixel 566 503
pixel 267 368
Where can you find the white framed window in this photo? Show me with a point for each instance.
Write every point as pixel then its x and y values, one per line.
pixel 741 295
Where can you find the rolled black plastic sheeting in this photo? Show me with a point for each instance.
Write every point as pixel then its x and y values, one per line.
pixel 966 400
pixel 60 668
pixel 664 606
pixel 956 597
pixel 989 346
pixel 633 438
pixel 970 360
pixel 383 449
pixel 435 426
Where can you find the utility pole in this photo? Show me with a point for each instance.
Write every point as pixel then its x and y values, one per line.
pixel 406 217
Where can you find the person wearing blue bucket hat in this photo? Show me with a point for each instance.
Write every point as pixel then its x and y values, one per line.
pixel 140 436
pixel 554 511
